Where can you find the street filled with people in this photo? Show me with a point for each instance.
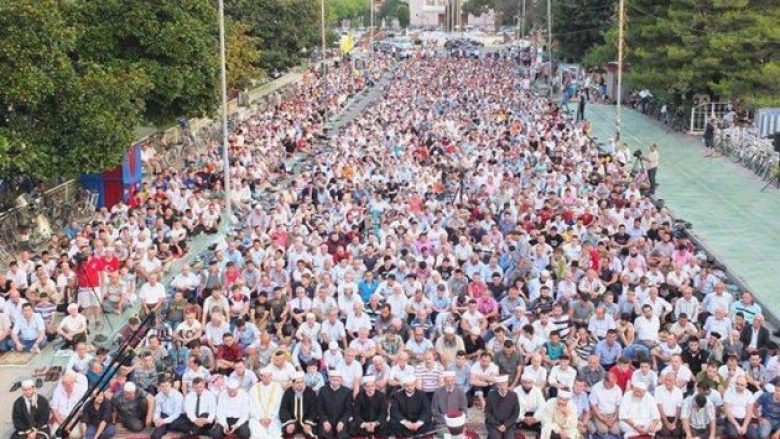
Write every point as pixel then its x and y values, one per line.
pixel 460 257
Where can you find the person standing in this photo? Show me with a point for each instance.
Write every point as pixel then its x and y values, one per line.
pixel 581 107
pixel 502 410
pixel 651 165
pixel 709 138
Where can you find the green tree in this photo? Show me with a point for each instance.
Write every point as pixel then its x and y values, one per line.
pixel 394 9
pixel 284 27
pixel 59 115
pixel 172 41
pixel 242 56
pixel 724 49
pixel 578 25
pixel 354 10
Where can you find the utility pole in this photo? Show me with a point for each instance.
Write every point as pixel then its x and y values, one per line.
pixel 549 45
pixel 370 27
pixel 223 86
pixel 522 29
pixel 324 56
pixel 619 94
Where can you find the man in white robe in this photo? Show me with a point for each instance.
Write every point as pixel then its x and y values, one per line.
pixel 266 397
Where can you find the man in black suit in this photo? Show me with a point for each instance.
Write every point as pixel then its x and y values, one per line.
pixel 30 413
pixel 755 336
pixel 334 408
pixel 298 409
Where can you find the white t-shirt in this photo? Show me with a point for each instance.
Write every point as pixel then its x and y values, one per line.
pixel 669 401
pixel 738 402
pixel 152 295
pixel 607 400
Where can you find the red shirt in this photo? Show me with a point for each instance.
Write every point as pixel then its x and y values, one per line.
pixel 110 264
pixel 622 377
pixel 229 353
pixel 89 273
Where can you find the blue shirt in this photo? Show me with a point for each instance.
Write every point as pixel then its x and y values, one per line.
pixel 29 330
pixel 770 408
pixel 367 289
pixel 608 354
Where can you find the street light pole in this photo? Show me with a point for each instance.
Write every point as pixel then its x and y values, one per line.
pixel 223 81
pixel 523 28
pixel 549 44
pixel 619 94
pixel 370 27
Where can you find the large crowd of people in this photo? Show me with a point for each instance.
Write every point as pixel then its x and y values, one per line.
pixel 461 252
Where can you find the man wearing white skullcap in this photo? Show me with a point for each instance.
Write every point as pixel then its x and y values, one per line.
pixel 233 410
pixel 30 412
pixel 369 416
pixel 559 415
pixel 266 397
pixel 531 400
pixel 410 411
pixel 298 409
pixel 447 398
pixel 639 412
pixel 501 410
pixel 334 405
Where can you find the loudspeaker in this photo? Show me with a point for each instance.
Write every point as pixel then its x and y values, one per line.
pixel 777 142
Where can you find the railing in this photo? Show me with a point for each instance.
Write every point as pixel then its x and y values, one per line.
pixel 701 113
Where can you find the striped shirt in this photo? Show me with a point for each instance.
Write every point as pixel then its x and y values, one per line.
pixel 430 379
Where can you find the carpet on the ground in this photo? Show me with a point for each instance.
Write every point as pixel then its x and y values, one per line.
pixel 15 358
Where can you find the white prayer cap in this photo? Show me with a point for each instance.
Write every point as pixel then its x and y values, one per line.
pixel 448 374
pixel 297 375
pixel 369 379
pixel 410 380
pixel 502 379
pixel 476 331
pixel 545 273
pixel 455 419
pixel 129 387
pixel 449 330
pixel 233 384
pixel 266 371
pixel 335 374
pixel 333 345
pixel 564 394
pixel 639 385
pixel 528 376
pixel 26 384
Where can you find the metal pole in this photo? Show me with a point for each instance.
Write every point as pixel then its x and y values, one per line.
pixel 523 28
pixel 549 45
pixel 619 94
pixel 370 27
pixel 322 28
pixel 223 80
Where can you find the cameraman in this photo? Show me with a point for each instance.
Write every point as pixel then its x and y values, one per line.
pixel 651 165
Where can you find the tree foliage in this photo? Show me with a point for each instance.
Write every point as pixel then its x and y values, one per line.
pixel 172 41
pixel 391 9
pixel 727 49
pixel 284 27
pixel 60 115
pixel 243 57
pixel 354 10
pixel 578 25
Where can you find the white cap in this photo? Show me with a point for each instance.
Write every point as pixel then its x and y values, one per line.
pixel 449 330
pixel 129 387
pixel 502 379
pixel 564 394
pixel 297 375
pixel 335 373
pixel 233 384
pixel 26 384
pixel 528 376
pixel 455 421
pixel 369 379
pixel 265 371
pixel 545 273
pixel 448 374
pixel 639 385
pixel 333 345
pixel 476 331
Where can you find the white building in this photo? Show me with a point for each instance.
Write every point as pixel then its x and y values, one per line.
pixel 434 13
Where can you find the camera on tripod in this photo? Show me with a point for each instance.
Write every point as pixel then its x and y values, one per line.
pixel 638 153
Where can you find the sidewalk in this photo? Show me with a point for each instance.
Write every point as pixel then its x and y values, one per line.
pixel 722 200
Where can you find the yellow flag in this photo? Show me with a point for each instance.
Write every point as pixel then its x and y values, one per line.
pixel 347 43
